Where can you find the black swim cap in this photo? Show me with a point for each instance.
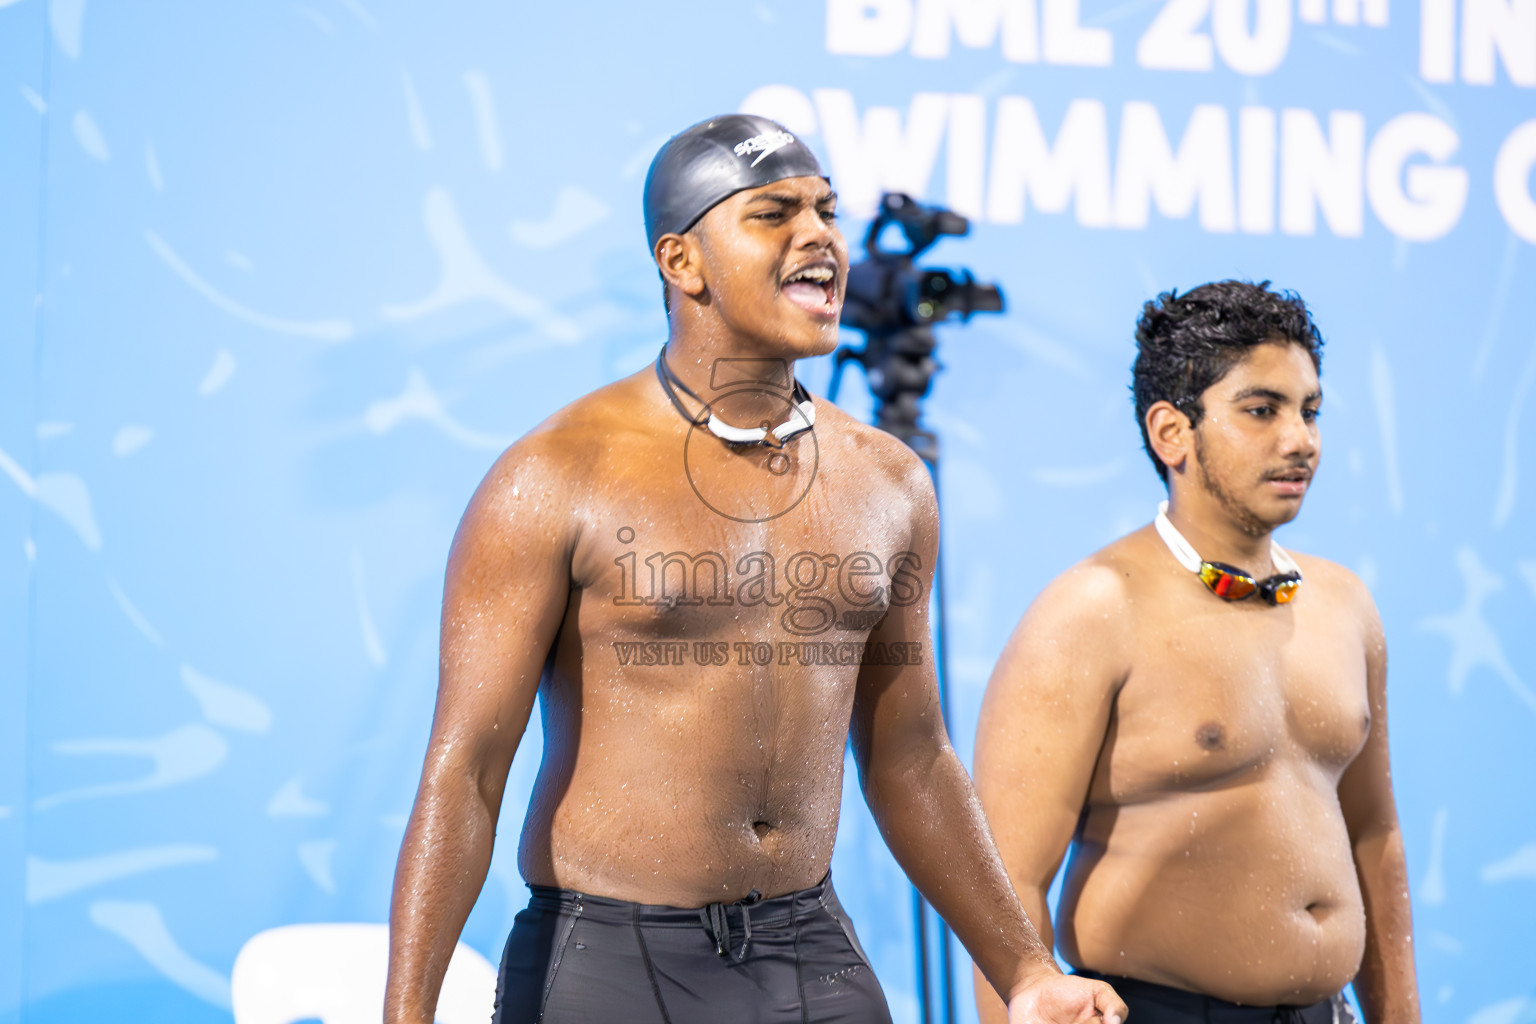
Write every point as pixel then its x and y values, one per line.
pixel 714 160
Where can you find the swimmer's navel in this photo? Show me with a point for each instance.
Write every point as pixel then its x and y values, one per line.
pixel 1320 910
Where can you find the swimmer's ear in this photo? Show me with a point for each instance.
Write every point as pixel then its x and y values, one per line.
pixel 681 263
pixel 1170 435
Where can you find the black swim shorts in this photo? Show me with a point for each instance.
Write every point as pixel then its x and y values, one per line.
pixel 788 960
pixel 1151 1003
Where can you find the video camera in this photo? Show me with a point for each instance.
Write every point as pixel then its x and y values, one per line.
pixel 887 292
pixel 895 303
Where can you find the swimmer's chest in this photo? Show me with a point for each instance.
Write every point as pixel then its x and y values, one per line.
pixel 686 574
pixel 1217 692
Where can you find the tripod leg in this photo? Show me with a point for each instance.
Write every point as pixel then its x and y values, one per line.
pixel 920 930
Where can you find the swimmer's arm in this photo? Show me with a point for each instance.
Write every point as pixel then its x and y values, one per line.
pixel 1042 723
pixel 1387 986
pixel 923 802
pixel 504 596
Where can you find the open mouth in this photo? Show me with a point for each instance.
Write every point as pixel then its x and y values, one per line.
pixel 813 288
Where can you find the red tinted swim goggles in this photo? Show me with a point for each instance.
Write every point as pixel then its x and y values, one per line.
pixel 1227 581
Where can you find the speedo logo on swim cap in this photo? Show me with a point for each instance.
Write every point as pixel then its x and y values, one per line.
pixel 763 145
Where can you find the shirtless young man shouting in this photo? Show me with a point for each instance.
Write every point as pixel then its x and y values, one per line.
pixel 1204 717
pixel 711 580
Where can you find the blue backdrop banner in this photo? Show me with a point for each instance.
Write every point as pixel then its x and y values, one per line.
pixel 279 281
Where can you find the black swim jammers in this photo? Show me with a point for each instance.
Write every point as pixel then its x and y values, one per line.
pixel 792 959
pixel 1151 1003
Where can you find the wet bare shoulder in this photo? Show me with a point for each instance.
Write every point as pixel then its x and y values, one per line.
pixel 1338 588
pixel 1329 575
pixel 1112 575
pixel 1091 597
pixel 1093 604
pixel 1074 633
pixel 542 464
pixel 883 460
pixel 573 442
pixel 548 473
pixel 599 419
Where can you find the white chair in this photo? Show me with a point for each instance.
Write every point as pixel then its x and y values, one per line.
pixel 335 973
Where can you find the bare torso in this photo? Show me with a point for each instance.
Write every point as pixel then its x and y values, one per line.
pixel 1212 853
pixel 706 630
pixel 693 741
